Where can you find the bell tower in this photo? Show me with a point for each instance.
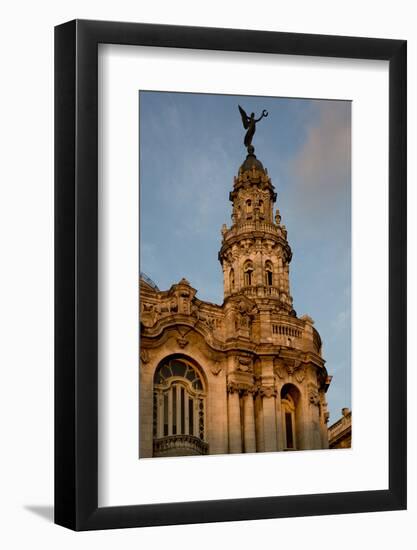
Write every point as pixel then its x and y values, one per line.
pixel 255 253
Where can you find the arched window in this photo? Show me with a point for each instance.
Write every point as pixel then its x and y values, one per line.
pixel 268 273
pixel 232 280
pixel 179 409
pixel 248 273
pixel 249 208
pixel 261 207
pixel 290 397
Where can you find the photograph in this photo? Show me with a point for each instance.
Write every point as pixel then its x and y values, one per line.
pixel 208 239
pixel 245 274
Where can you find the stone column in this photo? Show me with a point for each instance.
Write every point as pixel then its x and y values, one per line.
pixel 249 422
pixel 258 266
pixel 269 414
pixel 146 404
pixel 259 419
pixel 312 425
pixel 280 275
pixel 280 433
pixel 265 324
pixel 268 394
pixel 235 433
pixel 160 413
pixel 287 278
pixel 324 418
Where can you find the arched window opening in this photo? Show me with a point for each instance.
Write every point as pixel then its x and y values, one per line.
pixel 179 409
pixel 268 273
pixel 249 208
pixel 248 273
pixel 290 397
pixel 261 207
pixel 232 280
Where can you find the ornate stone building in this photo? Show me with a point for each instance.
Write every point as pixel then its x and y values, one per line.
pixel 340 433
pixel 242 377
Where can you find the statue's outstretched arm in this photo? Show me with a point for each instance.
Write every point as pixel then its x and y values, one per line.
pixel 264 114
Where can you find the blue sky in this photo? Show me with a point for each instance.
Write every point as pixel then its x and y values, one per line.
pixel 191 146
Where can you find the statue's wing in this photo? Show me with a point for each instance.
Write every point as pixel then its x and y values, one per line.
pixel 244 117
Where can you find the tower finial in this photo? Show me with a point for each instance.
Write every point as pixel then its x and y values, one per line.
pixel 249 123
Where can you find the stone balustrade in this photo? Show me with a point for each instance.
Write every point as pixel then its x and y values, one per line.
pixel 185 445
pixel 261 291
pixel 250 227
pixel 285 330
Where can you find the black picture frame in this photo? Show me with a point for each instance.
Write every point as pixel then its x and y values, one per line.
pixel 76 272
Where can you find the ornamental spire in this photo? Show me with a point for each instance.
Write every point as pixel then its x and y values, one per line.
pixel 255 253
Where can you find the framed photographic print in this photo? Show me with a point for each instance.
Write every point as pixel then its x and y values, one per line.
pixel 230 275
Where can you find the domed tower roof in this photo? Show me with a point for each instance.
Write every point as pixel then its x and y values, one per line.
pixel 252 173
pixel 251 162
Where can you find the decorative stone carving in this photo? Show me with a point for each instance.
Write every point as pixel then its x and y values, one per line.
pixel 277 217
pixel 149 314
pixel 245 314
pixel 281 371
pixel 208 321
pixel 300 374
pixel 247 390
pixel 292 367
pixel 144 356
pixel 182 342
pixel 267 391
pixel 216 369
pixel 240 387
pixel 313 396
pixel 244 364
pixel 194 311
pixel 167 445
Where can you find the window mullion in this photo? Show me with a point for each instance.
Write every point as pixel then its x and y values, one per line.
pixel 196 431
pixel 170 411
pixel 177 388
pixel 159 414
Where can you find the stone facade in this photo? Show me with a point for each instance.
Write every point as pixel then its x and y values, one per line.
pixel 340 433
pixel 246 376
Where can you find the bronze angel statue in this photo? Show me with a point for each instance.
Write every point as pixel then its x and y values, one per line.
pixel 249 123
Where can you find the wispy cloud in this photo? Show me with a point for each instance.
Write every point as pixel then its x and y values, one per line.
pixel 324 159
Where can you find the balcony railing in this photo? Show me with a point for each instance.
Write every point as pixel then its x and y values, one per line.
pixel 286 330
pixel 179 445
pixel 249 227
pixel 261 291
